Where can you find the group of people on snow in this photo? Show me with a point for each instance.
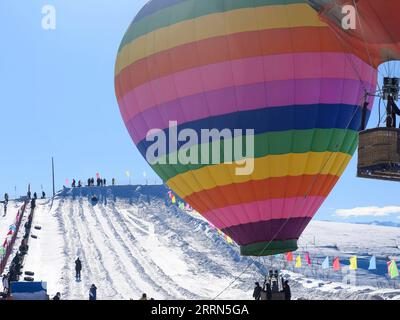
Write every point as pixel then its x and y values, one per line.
pixel 271 287
pixel 91 182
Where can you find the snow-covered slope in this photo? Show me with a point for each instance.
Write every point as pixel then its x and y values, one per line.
pixel 134 241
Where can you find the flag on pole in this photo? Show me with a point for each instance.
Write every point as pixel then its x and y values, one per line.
pixel 372 263
pixel 336 264
pixel 393 270
pixel 10 232
pixel 325 264
pixel 308 260
pixel 298 262
pixel 289 257
pixel 353 263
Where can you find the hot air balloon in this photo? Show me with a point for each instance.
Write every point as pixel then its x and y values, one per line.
pixel 272 66
pixel 376 36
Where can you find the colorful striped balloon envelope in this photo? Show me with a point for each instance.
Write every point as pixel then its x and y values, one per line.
pixel 269 66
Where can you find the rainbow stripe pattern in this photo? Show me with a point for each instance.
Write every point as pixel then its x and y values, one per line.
pixel 267 65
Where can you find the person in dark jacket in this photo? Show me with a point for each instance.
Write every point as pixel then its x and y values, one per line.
pixel 43 195
pixel 78 269
pixel 144 297
pixel 57 296
pixel 257 292
pixel 93 292
pixel 35 195
pixel 392 110
pixel 33 204
pixel 286 290
pixel 268 291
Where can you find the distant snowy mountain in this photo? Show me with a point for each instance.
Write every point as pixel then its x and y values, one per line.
pixel 135 241
pixel 382 223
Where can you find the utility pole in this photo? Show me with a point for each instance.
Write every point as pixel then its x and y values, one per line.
pixel 52 170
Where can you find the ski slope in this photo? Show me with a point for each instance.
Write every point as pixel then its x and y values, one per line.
pixel 134 241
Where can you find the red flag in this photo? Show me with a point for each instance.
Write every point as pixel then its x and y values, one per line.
pixel 336 264
pixel 5 243
pixel 389 263
pixel 308 260
pixel 289 257
pixel 10 232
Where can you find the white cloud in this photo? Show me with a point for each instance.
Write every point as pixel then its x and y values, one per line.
pixel 368 212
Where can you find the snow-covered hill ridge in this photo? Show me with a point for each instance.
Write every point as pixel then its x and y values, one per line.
pixel 134 241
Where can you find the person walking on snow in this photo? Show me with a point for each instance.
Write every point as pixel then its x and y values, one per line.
pixel 5 283
pixel 257 291
pixel 57 296
pixel 286 290
pixel 93 292
pixel 78 269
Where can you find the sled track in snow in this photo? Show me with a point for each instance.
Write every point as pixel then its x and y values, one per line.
pixel 128 240
pixel 127 265
pixel 79 241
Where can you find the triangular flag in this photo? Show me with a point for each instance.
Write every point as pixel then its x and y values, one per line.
pixel 372 263
pixel 353 263
pixel 5 243
pixel 298 262
pixel 308 260
pixel 10 232
pixel 325 264
pixel 336 264
pixel 393 270
pixel 289 257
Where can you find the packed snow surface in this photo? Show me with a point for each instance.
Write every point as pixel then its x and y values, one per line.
pixel 134 241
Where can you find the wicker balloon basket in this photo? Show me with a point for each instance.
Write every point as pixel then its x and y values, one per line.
pixel 379 154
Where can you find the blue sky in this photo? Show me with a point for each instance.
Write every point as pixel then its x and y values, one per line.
pixel 57 99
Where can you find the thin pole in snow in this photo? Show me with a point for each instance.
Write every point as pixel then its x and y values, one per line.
pixel 52 170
